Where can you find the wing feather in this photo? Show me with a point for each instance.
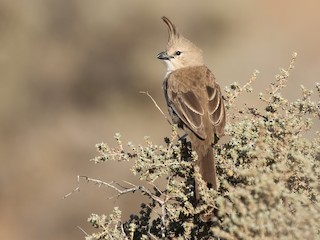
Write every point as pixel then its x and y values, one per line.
pixel 188 108
pixel 193 95
pixel 216 109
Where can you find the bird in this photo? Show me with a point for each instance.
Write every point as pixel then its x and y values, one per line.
pixel 194 100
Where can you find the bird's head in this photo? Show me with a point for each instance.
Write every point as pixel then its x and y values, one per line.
pixel 180 52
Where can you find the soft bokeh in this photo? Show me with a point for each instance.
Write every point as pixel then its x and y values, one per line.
pixel 71 73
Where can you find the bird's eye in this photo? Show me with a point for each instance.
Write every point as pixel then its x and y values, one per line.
pixel 178 53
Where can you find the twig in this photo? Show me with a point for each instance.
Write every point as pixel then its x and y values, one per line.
pixel 123 232
pixel 155 187
pixel 157 106
pixel 120 191
pixel 81 229
pixel 123 190
pixel 282 78
pixel 245 87
pixel 151 235
pixel 112 185
pixel 129 183
pixel 77 189
pixel 163 219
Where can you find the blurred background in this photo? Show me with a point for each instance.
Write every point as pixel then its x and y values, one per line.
pixel 71 72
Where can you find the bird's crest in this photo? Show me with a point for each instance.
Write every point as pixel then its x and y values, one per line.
pixel 173 32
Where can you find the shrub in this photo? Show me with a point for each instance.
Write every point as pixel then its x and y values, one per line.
pixel 268 172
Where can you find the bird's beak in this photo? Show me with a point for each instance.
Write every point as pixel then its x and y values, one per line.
pixel 163 56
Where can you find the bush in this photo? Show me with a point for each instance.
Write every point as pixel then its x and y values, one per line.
pixel 268 173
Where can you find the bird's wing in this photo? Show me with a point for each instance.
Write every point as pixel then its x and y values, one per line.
pixel 185 103
pixel 188 108
pixel 216 110
pixel 190 103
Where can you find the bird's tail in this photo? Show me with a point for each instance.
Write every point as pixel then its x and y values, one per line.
pixel 206 163
pixel 207 169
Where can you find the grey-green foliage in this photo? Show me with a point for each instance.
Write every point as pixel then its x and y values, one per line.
pixel 269 176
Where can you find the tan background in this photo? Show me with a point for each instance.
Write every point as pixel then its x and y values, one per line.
pixel 71 72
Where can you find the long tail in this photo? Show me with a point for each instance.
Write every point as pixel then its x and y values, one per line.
pixel 206 162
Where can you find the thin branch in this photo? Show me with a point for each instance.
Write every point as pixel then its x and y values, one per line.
pixel 81 229
pixel 112 184
pixel 155 187
pixel 151 235
pixel 157 106
pixel 245 87
pixel 163 219
pixel 129 183
pixel 77 189
pixel 282 78
pixel 123 232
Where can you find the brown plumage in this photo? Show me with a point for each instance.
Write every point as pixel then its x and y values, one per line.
pixel 194 99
